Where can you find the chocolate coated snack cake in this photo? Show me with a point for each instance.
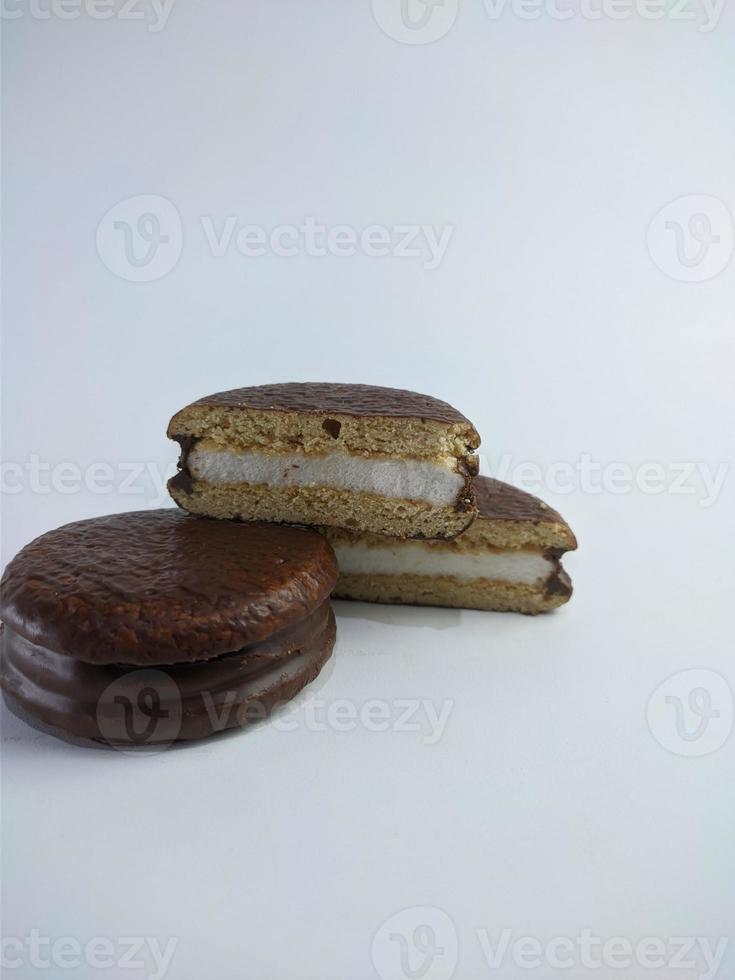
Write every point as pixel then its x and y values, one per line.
pixel 508 560
pixel 154 626
pixel 371 459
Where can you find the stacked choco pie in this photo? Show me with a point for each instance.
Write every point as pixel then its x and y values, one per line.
pixel 155 626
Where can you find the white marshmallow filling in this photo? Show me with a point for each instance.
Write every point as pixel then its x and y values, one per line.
pixel 407 479
pixel 412 558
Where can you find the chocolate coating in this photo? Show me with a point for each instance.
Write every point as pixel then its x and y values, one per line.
pixel 498 501
pixel 558 583
pixel 149 706
pixel 163 587
pixel 336 399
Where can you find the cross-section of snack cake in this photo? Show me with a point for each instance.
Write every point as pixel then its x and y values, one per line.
pixel 507 560
pixel 372 459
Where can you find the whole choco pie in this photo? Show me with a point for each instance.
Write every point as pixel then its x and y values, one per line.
pixel 156 626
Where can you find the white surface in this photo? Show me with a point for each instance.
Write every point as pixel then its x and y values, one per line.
pixel 559 318
pixel 408 557
pixel 407 479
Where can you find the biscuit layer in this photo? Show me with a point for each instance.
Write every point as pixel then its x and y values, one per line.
pixel 428 590
pixel 321 506
pixel 318 417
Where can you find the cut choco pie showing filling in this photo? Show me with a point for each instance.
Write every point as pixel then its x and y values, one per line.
pixel 153 626
pixel 355 456
pixel 508 560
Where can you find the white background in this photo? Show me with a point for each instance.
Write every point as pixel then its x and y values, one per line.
pixel 549 804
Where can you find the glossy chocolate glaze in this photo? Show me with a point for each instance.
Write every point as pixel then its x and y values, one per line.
pixel 163 587
pixel 123 704
pixel 558 583
pixel 498 501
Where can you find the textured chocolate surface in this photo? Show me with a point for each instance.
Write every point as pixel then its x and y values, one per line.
pixel 336 399
pixel 148 706
pixel 498 501
pixel 163 587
